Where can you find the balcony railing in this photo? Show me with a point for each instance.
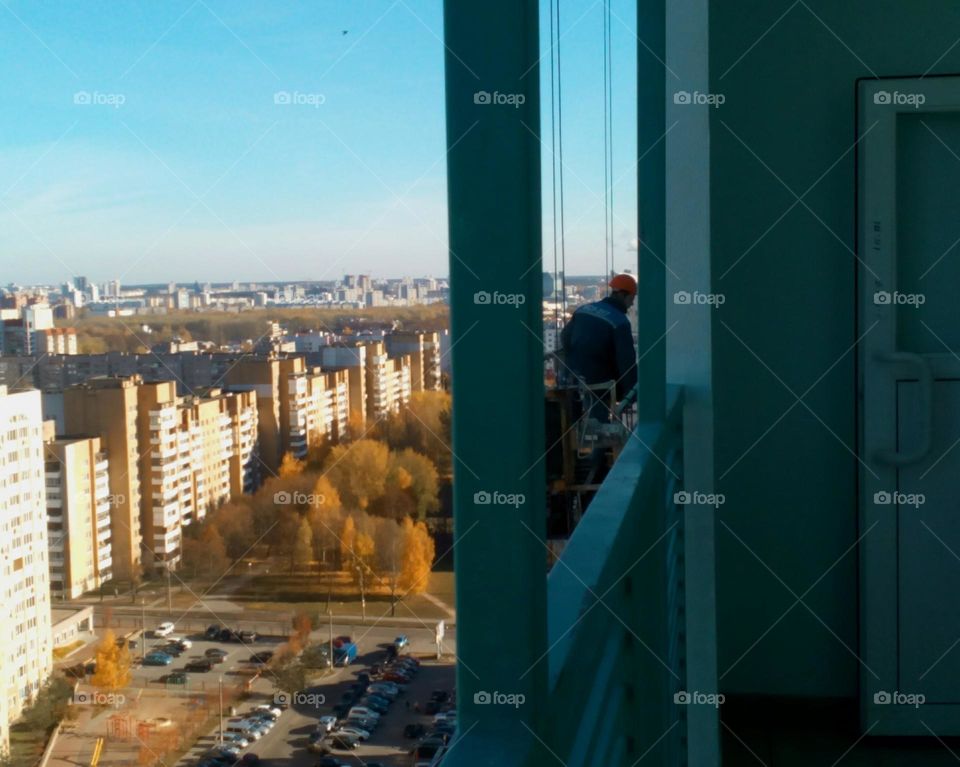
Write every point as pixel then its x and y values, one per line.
pixel 615 616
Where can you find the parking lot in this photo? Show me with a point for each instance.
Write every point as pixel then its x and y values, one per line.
pixel 286 744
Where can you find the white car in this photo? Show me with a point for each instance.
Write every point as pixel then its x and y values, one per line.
pixel 184 643
pixel 165 629
pixel 353 732
pixel 235 739
pixel 266 708
pixel 326 723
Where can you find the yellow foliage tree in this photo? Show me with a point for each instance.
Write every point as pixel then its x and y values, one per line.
pixel 416 556
pixel 358 471
pixel 113 664
pixel 348 537
pixel 290 467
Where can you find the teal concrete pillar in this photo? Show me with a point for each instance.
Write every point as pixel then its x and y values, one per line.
pixel 651 197
pixel 493 121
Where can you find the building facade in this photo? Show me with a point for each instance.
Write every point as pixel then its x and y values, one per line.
pixel 25 658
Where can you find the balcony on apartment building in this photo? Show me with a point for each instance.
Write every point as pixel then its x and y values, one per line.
pixel 768 574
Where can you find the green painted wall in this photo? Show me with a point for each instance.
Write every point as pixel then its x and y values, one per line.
pixel 790 498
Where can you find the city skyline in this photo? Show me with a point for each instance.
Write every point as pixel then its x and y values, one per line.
pixel 214 142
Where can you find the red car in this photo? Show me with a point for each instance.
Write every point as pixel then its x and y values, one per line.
pixel 394 676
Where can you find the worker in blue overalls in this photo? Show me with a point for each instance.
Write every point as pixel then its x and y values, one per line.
pixel 598 344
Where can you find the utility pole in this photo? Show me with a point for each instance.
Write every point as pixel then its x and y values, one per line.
pixel 220 696
pixel 169 599
pixel 143 629
pixel 363 595
pixel 330 616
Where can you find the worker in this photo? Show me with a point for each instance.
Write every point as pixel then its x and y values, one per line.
pixel 598 343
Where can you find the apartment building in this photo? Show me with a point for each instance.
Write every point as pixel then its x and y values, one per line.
pixel 25 654
pixel 262 376
pixel 316 405
pixel 202 451
pixel 424 350
pixel 78 515
pixel 352 359
pixel 107 408
pixel 55 341
pixel 388 381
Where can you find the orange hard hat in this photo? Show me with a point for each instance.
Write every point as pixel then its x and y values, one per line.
pixel 625 282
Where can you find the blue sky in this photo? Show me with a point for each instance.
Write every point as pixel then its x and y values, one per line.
pixel 182 166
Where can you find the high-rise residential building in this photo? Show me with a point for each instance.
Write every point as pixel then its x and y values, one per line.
pixel 316 405
pixel 26 652
pixel 78 515
pixel 351 358
pixel 107 408
pixel 262 376
pixel 424 350
pixel 55 341
pixel 202 451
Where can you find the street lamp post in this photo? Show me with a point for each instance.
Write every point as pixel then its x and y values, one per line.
pixel 220 696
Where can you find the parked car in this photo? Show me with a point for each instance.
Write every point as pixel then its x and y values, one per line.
pixel 342 742
pixel 354 732
pixel 414 731
pixel 215 655
pixel 226 635
pixel 378 700
pixel 157 659
pixel 177 677
pixel 261 658
pixel 374 705
pixel 384 689
pixel 199 665
pixel 326 723
pixel 236 739
pixel 248 636
pixel 242 727
pixel 401 641
pixel 316 742
pixel 182 642
pixel 363 711
pixel 363 722
pixel 440 696
pixel 213 631
pixel 266 708
pixel 231 751
pixel 165 629
pixel 250 759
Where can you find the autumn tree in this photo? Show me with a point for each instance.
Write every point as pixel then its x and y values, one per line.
pixel 358 471
pixel 290 466
pixel 234 520
pixel 422 424
pixel 416 557
pixel 112 664
pixel 303 546
pixel 423 482
pixel 348 537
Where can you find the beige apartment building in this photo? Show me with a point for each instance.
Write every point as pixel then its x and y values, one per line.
pixel 202 451
pixel 107 408
pixel 26 652
pixel 424 350
pixel 262 376
pixel 350 358
pixel 78 515
pixel 316 406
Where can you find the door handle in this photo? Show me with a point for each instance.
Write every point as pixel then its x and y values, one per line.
pixel 925 379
